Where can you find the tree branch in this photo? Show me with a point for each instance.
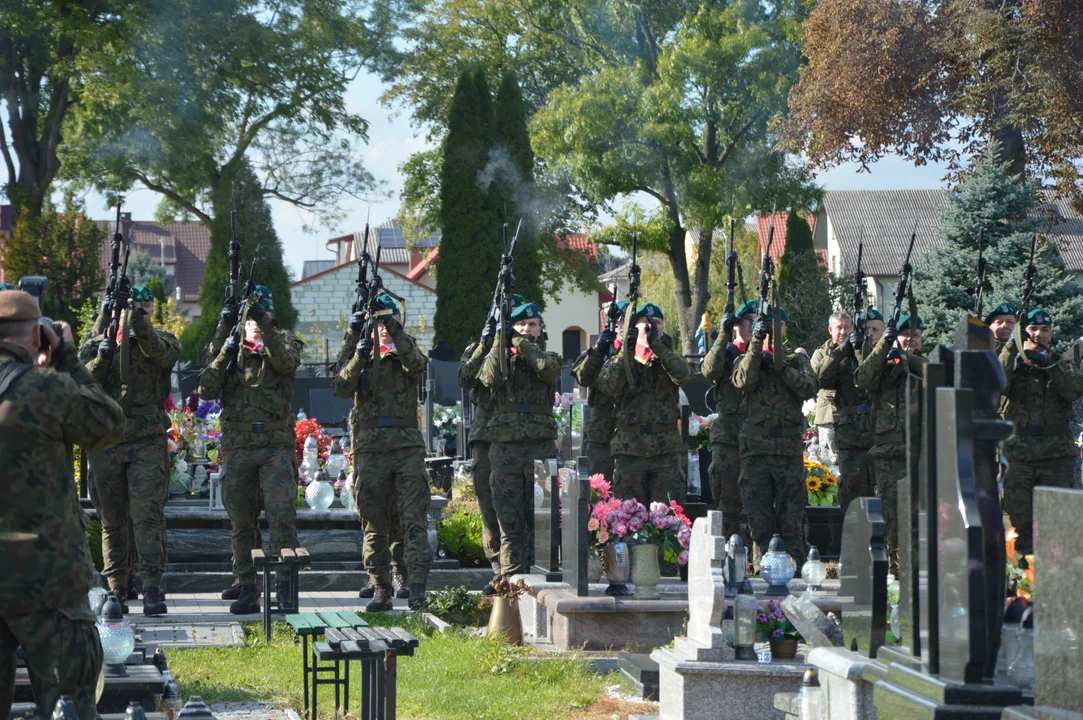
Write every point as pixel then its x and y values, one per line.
pixel 733 142
pixel 291 200
pixel 169 193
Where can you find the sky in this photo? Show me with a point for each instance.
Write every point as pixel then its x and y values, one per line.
pixel 392 139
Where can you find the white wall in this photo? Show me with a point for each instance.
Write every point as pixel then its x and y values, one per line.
pixel 571 308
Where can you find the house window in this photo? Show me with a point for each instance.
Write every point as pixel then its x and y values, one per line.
pixel 572 343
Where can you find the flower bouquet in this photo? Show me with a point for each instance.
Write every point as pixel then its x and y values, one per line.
pixel 1020 579
pixel 699 431
pixel 821 483
pixel 306 427
pixel 445 419
pixel 778 630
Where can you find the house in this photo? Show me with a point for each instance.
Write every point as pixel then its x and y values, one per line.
pixel 883 220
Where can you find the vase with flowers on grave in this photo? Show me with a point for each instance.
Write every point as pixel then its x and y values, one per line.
pixel 780 633
pixel 604 541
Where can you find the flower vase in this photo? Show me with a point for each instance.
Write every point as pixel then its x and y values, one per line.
pixel 784 649
pixel 617 562
pixel 646 571
pixel 594 568
pixel 505 620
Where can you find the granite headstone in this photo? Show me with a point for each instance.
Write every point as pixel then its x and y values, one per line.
pixel 706 590
pixel 863 577
pixel 574 538
pixel 817 629
pixel 547 520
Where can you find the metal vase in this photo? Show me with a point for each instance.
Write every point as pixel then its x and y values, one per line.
pixel 505 620
pixel 617 562
pixel 646 571
pixel 594 568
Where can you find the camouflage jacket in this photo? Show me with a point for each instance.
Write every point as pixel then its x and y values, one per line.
pixel 152 353
pixel 852 409
pixel 44 558
pixel 825 397
pixel 773 397
pixel 259 392
pixel 523 397
pixel 718 368
pixel 648 411
pixel 885 382
pixel 384 414
pixel 481 398
pixel 601 420
pixel 1038 402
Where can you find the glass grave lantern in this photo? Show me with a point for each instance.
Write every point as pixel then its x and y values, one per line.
pixel 814 572
pixel 745 610
pixel 777 568
pixel 117 636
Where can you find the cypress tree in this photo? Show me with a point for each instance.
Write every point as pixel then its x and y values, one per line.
pixel 241 190
pixel 803 287
pixel 469 255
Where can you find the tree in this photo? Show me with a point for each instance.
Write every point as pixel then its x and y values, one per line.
pixel 803 286
pixel 146 270
pixel 256 233
pixel 470 250
pixel 1004 206
pixel 934 80
pixel 66 248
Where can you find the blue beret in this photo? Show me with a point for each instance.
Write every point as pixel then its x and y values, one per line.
pixel 526 311
pixel 1037 316
pixel 1003 308
pixel 517 300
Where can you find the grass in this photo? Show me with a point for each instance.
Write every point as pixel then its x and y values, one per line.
pixel 450 677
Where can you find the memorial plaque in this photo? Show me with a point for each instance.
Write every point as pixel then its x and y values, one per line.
pixel 863 576
pixel 546 520
pixel 574 514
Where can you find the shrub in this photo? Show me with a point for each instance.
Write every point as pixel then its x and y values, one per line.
pixel 455 605
pixel 460 535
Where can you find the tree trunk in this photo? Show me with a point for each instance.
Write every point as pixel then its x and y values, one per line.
pixel 1012 149
pixel 702 292
pixel 682 292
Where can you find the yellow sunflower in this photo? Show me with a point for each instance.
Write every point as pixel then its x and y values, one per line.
pixel 809 463
pixel 829 480
pixel 813 483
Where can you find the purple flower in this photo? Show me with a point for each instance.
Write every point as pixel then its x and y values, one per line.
pixel 635 524
pixel 206 407
pixel 620 529
pixel 657 507
pixel 628 506
pixel 682 559
pixel 761 617
pixel 777 634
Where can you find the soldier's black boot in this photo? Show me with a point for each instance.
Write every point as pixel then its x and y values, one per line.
pixel 133 594
pixel 400 585
pixel 122 595
pixel 247 603
pixel 381 599
pixel 153 602
pixel 233 592
pixel 367 590
pixel 417 594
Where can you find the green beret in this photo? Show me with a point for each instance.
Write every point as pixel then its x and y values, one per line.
pixel 7 286
pixel 904 323
pixel 517 300
pixel 526 311
pixel 1003 308
pixel 263 295
pixel 142 293
pixel 873 315
pixel 622 307
pixel 750 307
pixel 386 302
pixel 1037 316
pixel 650 310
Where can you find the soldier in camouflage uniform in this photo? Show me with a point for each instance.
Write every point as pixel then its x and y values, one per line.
pixel 851 406
pixel 838 329
pixel 725 454
pixel 389 452
pixel 601 421
pixel 1001 320
pixel 45 565
pixel 882 374
pixel 772 454
pixel 257 435
pixel 1042 386
pixel 522 428
pixel 129 483
pixel 648 452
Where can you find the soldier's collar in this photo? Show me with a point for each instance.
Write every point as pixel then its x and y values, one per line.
pixel 15 352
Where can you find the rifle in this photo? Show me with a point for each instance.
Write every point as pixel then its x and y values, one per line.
pixel 731 272
pixel 979 283
pixel 612 315
pixel 364 260
pixel 859 287
pixel 767 271
pixel 114 257
pixel 633 303
pixel 900 290
pixel 1024 303
pixel 505 292
pixel 249 288
pixel 118 279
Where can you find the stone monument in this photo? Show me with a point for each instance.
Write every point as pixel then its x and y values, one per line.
pixel 574 538
pixel 546 507
pixel 863 577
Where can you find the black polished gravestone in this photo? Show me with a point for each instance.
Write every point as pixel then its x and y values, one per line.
pixel 547 520
pixel 574 539
pixel 863 577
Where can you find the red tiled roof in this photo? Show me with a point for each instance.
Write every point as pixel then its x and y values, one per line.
pixel 581 244
pixel 778 242
pixel 186 245
pixel 383 269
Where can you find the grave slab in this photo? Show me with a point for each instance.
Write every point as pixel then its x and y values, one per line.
pixel 846 691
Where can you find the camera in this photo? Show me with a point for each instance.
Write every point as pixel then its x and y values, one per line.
pixel 35 285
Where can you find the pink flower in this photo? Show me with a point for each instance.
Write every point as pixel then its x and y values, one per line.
pixel 603 535
pixel 620 529
pixel 593 524
pixel 659 508
pixel 635 524
pixel 629 506
pixel 682 559
pixel 684 536
pixel 599 483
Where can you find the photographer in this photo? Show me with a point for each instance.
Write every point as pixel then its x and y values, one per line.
pixel 48 403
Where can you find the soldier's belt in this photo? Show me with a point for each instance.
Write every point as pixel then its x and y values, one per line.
pixel 388 422
pixel 141 410
pixel 257 426
pixel 525 408
pixel 1047 430
pixel 888 438
pixel 863 409
pixel 775 432
pixel 643 428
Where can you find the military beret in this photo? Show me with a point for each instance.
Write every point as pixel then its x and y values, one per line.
pixel 17 305
pixel 526 311
pixel 873 315
pixel 386 302
pixel 1003 308
pixel 263 295
pixel 650 310
pixel 904 323
pixel 622 307
pixel 6 286
pixel 517 300
pixel 1037 316
pixel 142 293
pixel 750 307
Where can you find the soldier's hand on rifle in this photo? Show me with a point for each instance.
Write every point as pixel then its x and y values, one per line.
pixel 232 345
pixel 729 321
pixel 256 311
pixel 488 332
pixel 357 322
pixel 631 335
pixel 856 341
pixel 604 343
pixel 121 294
pixel 230 311
pixel 107 304
pixel 364 347
pixel 891 334
pixel 761 329
pixel 106 348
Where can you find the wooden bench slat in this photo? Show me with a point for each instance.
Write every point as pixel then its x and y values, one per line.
pixel 286 554
pixel 336 620
pixel 305 623
pixel 354 619
pixel 258 557
pixel 352 634
pixel 302 555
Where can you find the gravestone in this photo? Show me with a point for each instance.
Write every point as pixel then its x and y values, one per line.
pixel 908 512
pixel 706 591
pixel 817 629
pixel 863 577
pixel 574 539
pixel 547 520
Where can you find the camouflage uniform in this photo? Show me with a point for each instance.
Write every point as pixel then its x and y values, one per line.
pixel 834 369
pixel 725 454
pixel 824 412
pixel 258 444
pixel 648 451
pixel 1038 402
pixel 885 382
pixel 601 418
pixel 481 400
pixel 130 481
pixel 521 430
pixel 45 565
pixel 389 454
pixel 772 469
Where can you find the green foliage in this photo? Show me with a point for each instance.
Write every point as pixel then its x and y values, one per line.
pixel 803 287
pixel 144 269
pixel 992 199
pixel 455 605
pixel 798 235
pixel 460 536
pixel 255 230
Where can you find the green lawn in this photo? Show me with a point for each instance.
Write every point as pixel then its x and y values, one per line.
pixel 450 677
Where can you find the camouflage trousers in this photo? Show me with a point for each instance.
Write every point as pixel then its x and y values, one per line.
pixel 1019 483
pixel 725 473
pixel 395 480
pixel 63 656
pixel 129 484
pixel 660 478
pixel 774 496
pixel 888 473
pixel 373 542
pixel 855 475
pixel 245 473
pixel 512 484
pixel 599 459
pixel 482 473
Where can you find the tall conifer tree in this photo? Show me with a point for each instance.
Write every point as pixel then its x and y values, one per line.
pixel 802 287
